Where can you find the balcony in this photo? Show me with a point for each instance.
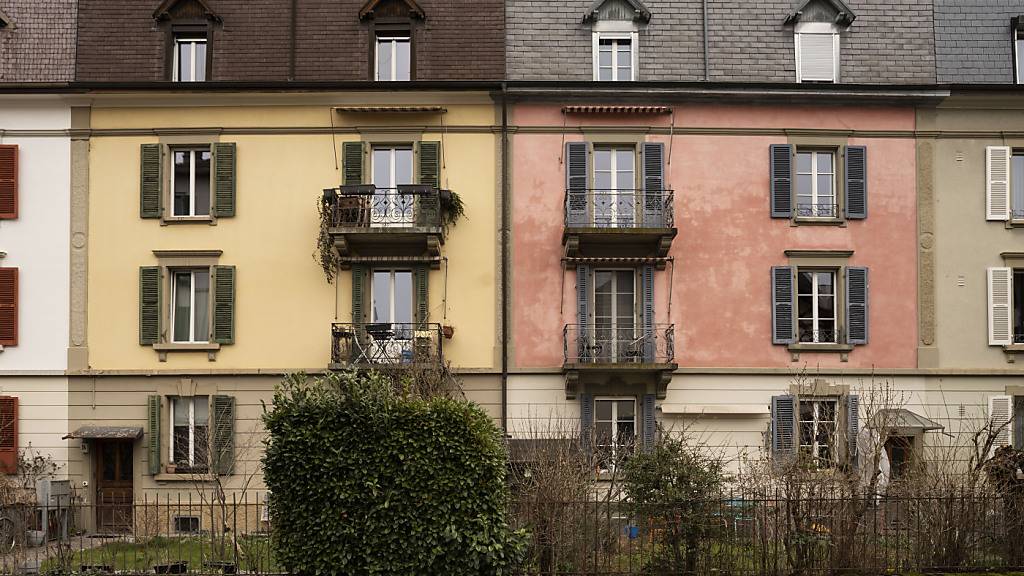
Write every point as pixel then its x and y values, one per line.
pixel 625 223
pixel 383 346
pixel 597 350
pixel 366 221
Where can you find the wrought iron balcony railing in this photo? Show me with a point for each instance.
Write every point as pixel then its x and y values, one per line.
pixel 599 343
pixel 367 206
pixel 619 208
pixel 810 210
pixel 810 336
pixel 385 344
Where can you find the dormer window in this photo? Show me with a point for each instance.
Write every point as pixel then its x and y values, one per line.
pixel 394 56
pixel 816 27
pixel 1017 39
pixel 616 38
pixel 189 58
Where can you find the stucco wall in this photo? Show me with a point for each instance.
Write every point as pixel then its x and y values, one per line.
pixel 284 306
pixel 727 243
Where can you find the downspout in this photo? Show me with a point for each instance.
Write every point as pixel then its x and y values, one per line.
pixel 505 204
pixel 707 73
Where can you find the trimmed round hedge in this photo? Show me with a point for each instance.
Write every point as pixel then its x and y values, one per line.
pixel 366 481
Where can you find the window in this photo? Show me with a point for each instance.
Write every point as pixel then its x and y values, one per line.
pixel 1017 185
pixel 614 57
pixel 190 418
pixel 816 185
pixel 190 181
pixel 394 57
pixel 186 524
pixel 615 430
pixel 190 317
pixel 817 430
pixel 900 452
pixel 817 52
pixel 615 187
pixel 816 306
pixel 615 315
pixel 392 167
pixel 390 333
pixel 189 58
pixel 1018 45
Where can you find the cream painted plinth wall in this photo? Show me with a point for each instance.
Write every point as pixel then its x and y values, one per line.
pixel 37 244
pixel 284 306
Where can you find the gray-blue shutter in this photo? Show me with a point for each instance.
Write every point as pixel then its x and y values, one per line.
pixel 783 425
pixel 576 171
pixel 856 182
pixel 647 287
pixel 781 175
pixel 654 185
pixel 1018 422
pixel 650 421
pixel 782 305
pixel 852 425
pixel 856 305
pixel 582 312
pixel 586 421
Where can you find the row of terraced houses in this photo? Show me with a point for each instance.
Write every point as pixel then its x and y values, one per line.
pixel 617 216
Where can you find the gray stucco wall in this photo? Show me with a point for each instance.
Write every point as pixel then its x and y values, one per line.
pixel 39 46
pixel 891 41
pixel 973 40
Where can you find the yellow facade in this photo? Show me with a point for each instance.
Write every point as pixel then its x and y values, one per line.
pixel 286 155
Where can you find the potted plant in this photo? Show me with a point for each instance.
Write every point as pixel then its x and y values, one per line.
pixel 448 331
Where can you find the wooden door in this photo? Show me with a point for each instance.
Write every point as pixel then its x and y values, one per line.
pixel 114 487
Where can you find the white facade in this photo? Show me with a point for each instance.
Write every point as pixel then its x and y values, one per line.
pixel 37 243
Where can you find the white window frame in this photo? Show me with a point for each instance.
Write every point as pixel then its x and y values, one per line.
pixel 616 354
pixel 191 305
pixel 615 455
pixel 1016 56
pixel 189 39
pixel 191 428
pixel 392 41
pixel 403 205
pixel 814 184
pixel 816 421
pixel 391 293
pixel 815 318
pixel 819 28
pixel 616 30
pixel 191 181
pixel 614 191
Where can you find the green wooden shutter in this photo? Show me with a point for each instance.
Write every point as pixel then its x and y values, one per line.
pixel 429 174
pixel 782 305
pixel 650 421
pixel 856 182
pixel 781 176
pixel 224 155
pixel 586 422
pixel 224 304
pixel 153 441
pixel 151 180
pixel 1018 422
pixel 352 161
pixel 856 305
pixel 359 273
pixel 149 305
pixel 576 176
pixel 783 425
pixel 420 282
pixel 223 434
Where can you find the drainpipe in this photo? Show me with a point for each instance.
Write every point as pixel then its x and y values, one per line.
pixel 707 73
pixel 505 206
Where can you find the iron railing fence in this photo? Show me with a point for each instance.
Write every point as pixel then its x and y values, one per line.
pixel 385 344
pixel 367 206
pixel 189 533
pixel 817 210
pixel 773 535
pixel 605 343
pixel 619 208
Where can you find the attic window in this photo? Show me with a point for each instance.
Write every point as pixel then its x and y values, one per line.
pixel 1017 38
pixel 616 38
pixel 817 52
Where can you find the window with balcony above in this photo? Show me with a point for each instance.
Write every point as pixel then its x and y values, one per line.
pixel 615 322
pixel 392 167
pixel 614 430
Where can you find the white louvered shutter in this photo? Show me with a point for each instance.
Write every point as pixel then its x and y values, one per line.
pixel 997 183
pixel 999 410
pixel 817 56
pixel 1000 287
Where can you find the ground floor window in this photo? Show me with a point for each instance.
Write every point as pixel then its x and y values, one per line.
pixel 818 431
pixel 190 418
pixel 615 428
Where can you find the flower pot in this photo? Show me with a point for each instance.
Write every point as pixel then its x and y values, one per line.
pixel 179 567
pixel 448 331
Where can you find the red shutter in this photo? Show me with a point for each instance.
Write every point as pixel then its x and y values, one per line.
pixel 8 306
pixel 8 434
pixel 8 181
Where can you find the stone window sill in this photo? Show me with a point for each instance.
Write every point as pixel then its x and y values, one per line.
pixel 178 477
pixel 1011 352
pixel 798 221
pixel 842 349
pixel 210 220
pixel 211 349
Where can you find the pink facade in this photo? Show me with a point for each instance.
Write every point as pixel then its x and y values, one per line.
pixel 726 242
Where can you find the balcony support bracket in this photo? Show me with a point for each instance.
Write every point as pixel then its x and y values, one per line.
pixel 572 384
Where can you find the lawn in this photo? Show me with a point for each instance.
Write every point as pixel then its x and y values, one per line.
pixel 254 555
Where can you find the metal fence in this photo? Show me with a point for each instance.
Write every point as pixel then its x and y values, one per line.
pixel 774 535
pixel 166 535
pixel 367 206
pixel 619 208
pixel 604 343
